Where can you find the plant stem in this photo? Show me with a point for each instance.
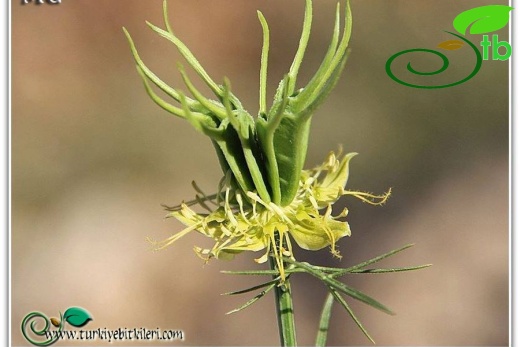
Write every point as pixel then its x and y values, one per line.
pixel 284 310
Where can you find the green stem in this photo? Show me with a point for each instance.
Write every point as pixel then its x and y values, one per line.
pixel 284 310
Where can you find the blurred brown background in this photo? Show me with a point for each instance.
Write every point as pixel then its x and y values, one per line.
pixel 93 158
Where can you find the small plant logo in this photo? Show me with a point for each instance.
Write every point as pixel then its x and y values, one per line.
pixel 75 316
pixel 479 20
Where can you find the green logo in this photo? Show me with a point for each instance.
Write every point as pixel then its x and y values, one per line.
pixel 75 316
pixel 479 20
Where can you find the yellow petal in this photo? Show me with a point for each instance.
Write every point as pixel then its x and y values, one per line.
pixel 311 234
pixel 330 188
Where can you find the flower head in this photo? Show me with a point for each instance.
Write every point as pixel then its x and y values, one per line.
pixel 237 225
pixel 266 199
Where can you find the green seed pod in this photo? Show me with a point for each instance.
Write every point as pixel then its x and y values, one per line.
pixel 265 155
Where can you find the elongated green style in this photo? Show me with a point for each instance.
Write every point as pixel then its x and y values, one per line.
pixel 264 154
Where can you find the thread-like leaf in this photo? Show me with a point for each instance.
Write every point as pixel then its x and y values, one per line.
pixel 259 286
pixel 261 272
pixel 351 313
pixel 321 337
pixel 340 287
pixel 253 300
pixel 399 269
pixel 378 258
pixel 210 198
pixel 356 294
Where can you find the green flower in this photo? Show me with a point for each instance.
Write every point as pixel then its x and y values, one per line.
pixel 266 197
pixel 266 201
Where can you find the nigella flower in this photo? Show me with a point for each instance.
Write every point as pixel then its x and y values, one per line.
pixel 240 223
pixel 266 198
pixel 266 201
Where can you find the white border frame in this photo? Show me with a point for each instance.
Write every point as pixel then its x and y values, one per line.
pixel 5 175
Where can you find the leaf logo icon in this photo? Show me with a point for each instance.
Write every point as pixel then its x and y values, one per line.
pixel 483 19
pixel 77 316
pixel 451 45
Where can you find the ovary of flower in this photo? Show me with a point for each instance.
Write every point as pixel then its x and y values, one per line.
pixel 237 225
